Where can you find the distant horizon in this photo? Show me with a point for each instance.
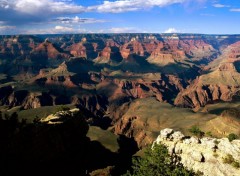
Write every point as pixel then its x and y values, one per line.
pixel 149 33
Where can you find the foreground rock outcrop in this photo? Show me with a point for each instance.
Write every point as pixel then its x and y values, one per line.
pixel 211 156
pixel 60 117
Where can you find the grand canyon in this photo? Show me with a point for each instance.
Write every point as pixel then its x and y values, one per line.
pixel 124 88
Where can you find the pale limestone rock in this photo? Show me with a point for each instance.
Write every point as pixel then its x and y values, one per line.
pixel 197 156
pixel 166 133
pixel 209 142
pixel 204 155
pixel 59 117
pixel 232 148
pixel 192 140
pixel 177 136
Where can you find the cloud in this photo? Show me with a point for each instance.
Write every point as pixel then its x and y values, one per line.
pixel 23 13
pixel 77 20
pixel 47 6
pixel 7 29
pixel 122 30
pixel 63 29
pixel 56 30
pixel 120 6
pixel 235 10
pixel 35 11
pixel 220 5
pixel 171 30
pixel 28 11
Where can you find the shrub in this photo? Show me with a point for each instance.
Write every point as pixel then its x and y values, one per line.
pixel 209 133
pixel 230 160
pixel 196 131
pixel 232 137
pixel 216 142
pixel 215 155
pixel 157 161
pixel 235 164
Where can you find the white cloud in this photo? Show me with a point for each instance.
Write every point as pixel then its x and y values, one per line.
pixel 220 5
pixel 57 12
pixel 171 30
pixel 27 11
pixel 235 10
pixel 76 20
pixel 133 5
pixel 63 29
pixel 46 6
pixel 57 7
pixel 7 27
pixel 122 30
pixel 56 30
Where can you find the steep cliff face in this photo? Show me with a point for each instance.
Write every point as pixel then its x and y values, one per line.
pixel 160 57
pixel 189 47
pixel 198 94
pixel 164 87
pixel 26 99
pixel 210 156
pixel 104 56
pixel 78 50
pixel 59 76
pixel 51 51
pixel 132 47
pixel 95 104
pixel 17 45
pixel 221 83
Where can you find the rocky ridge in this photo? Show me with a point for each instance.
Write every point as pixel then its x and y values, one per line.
pixel 221 83
pixel 211 156
pixel 59 117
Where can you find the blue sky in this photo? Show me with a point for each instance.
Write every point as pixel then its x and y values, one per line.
pixel 119 16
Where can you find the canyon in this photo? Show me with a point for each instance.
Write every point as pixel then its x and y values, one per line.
pixel 128 85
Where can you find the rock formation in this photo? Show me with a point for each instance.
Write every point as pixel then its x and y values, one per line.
pixel 51 51
pixel 78 50
pixel 221 83
pixel 59 117
pixel 211 156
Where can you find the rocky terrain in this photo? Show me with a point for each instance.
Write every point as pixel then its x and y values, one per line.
pixel 221 83
pixel 129 85
pixel 210 156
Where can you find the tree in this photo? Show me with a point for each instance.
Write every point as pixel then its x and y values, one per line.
pixel 158 162
pixel 232 137
pixel 196 131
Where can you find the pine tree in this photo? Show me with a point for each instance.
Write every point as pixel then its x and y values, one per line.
pixel 158 162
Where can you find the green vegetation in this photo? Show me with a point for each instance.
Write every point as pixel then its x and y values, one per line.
pixel 215 155
pixel 230 160
pixel 216 142
pixel 195 130
pixel 158 162
pixel 209 133
pixel 232 137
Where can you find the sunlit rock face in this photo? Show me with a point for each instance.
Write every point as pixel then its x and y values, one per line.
pixel 204 155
